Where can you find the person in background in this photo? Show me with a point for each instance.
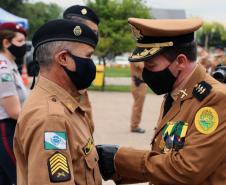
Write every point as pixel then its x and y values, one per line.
pixel 203 58
pixel 88 17
pixel 12 95
pixel 139 90
pixel 219 55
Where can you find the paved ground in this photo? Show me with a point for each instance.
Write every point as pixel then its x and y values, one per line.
pixel 112 119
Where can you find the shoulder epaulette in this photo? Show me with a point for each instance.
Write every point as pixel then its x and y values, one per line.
pixel 201 90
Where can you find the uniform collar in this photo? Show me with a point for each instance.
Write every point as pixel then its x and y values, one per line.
pixel 180 91
pixel 70 101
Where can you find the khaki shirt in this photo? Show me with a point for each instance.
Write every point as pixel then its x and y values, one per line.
pixel 53 141
pixel 200 159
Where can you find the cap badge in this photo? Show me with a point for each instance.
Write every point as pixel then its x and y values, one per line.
pixel 84 11
pixel 77 31
pixel 136 33
pixel 18 26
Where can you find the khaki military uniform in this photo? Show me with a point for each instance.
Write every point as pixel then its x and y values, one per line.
pixel 85 102
pixel 139 90
pixel 188 147
pixel 53 140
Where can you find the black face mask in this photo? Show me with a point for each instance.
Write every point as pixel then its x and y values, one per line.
pixel 17 51
pixel 85 72
pixel 161 82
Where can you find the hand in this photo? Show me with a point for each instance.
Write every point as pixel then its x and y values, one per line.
pixel 106 160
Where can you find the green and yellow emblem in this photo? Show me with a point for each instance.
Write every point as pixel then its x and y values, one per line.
pixel 206 120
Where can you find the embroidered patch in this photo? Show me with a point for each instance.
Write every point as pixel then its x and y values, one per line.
pixel 6 77
pixel 201 90
pixel 58 168
pixel 55 141
pixel 206 120
pixel 88 147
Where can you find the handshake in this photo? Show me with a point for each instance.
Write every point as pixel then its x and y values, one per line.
pixel 106 160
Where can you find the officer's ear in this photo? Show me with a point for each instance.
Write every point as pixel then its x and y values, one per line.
pixel 62 58
pixel 6 43
pixel 181 61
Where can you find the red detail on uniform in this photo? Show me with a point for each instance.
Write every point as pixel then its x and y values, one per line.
pixel 6 144
pixel 24 76
pixel 3 62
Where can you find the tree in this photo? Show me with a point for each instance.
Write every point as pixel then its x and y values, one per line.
pixel 212 34
pixel 38 14
pixel 12 6
pixel 115 33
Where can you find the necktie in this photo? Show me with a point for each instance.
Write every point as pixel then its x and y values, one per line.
pixel 167 104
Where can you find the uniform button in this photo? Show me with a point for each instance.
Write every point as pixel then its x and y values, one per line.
pixel 54 99
pixel 155 140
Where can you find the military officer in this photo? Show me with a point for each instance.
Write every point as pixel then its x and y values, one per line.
pixel 188 144
pixel 53 140
pixel 88 17
pixel 139 90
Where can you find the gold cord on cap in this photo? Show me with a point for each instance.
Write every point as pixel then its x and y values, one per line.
pixel 155 45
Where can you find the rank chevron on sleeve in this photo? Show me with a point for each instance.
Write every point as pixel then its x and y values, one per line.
pixel 58 168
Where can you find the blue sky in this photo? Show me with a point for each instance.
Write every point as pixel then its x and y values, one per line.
pixel 209 10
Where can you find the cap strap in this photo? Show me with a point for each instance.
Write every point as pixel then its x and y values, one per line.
pixel 155 45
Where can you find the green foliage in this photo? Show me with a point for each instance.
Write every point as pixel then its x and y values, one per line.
pixel 212 34
pixel 117 71
pixel 12 6
pixel 115 34
pixel 38 14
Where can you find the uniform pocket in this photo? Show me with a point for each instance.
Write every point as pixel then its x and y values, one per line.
pixel 93 176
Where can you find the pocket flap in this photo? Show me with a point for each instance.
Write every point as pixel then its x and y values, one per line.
pixel 92 158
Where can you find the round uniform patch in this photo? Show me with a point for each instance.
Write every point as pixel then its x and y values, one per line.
pixel 206 120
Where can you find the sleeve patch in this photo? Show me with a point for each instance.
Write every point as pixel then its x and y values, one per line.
pixel 206 120
pixel 58 168
pixel 55 141
pixel 6 77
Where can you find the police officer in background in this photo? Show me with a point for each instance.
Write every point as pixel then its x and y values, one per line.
pixel 12 95
pixel 139 90
pixel 88 17
pixel 53 140
pixel 188 144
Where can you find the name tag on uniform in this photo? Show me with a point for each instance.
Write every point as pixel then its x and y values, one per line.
pixel 55 141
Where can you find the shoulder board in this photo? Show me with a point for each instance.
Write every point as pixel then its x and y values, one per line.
pixel 201 90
